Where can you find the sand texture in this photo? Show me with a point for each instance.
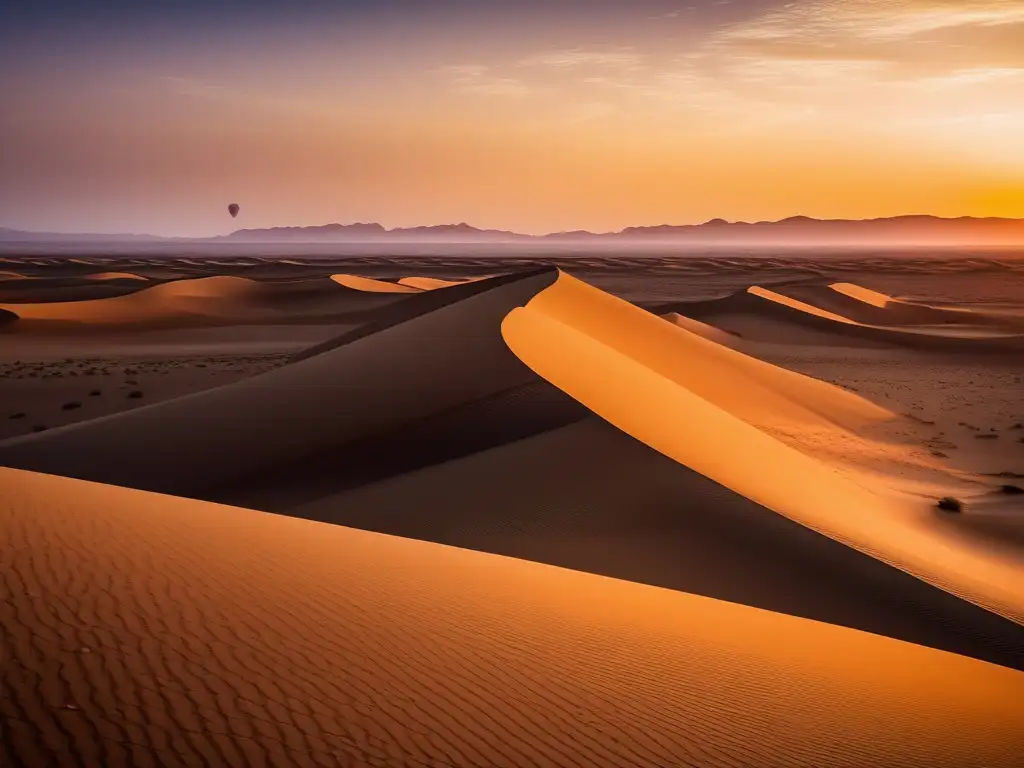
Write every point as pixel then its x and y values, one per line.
pixel 148 630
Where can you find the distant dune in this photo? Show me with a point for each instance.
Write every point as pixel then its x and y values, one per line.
pixel 427 283
pixel 205 301
pixel 148 629
pixel 374 286
pixel 806 313
pixel 114 276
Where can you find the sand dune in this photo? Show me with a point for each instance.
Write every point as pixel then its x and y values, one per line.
pixel 227 637
pixel 205 301
pixel 428 283
pixel 704 414
pixel 374 286
pixel 114 276
pixel 811 313
pixel 328 437
pixel 870 307
pixel 368 384
pixel 6 275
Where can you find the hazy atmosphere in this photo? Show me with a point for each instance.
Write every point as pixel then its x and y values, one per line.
pixel 533 116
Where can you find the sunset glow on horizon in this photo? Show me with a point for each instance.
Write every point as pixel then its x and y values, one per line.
pixel 533 116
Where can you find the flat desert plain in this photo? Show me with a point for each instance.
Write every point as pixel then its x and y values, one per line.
pixel 550 510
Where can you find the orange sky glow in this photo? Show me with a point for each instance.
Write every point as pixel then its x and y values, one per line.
pixel 540 121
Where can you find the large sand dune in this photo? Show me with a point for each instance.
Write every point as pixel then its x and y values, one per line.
pixel 149 630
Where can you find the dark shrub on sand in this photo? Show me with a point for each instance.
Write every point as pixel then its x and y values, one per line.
pixel 71 406
pixel 949 504
pixel 134 394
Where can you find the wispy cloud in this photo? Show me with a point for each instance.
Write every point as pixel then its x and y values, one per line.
pixel 845 63
pixel 623 59
pixel 837 22
pixel 480 79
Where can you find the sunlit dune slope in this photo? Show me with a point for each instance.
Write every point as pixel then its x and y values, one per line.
pixel 201 301
pixel 369 284
pixel 428 283
pixel 866 295
pixel 702 404
pixel 228 637
pixel 5 275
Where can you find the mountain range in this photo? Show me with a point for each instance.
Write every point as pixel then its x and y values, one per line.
pixel 796 230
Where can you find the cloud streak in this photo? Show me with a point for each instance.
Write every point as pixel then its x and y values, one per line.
pixel 479 79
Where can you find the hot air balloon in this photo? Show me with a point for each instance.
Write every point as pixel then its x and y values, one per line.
pixel 233 210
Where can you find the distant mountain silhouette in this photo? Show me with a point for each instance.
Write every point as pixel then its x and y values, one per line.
pixel 375 232
pixel 796 230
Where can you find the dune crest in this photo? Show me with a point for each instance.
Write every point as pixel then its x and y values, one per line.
pixel 357 283
pixel 241 638
pixel 428 283
pixel 806 313
pixel 704 405
pixel 868 296
pixel 114 276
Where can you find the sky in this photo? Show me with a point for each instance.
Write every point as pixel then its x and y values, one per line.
pixel 535 115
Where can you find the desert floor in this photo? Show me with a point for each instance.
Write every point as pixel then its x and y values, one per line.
pixel 544 510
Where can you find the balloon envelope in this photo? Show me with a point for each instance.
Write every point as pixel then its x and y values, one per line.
pixel 233 210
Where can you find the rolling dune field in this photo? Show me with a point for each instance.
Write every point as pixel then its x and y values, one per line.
pixel 467 511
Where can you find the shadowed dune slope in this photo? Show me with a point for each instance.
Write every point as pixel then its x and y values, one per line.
pixel 222 636
pixel 476 425
pixel 589 497
pixel 65 290
pixel 369 382
pixel 709 332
